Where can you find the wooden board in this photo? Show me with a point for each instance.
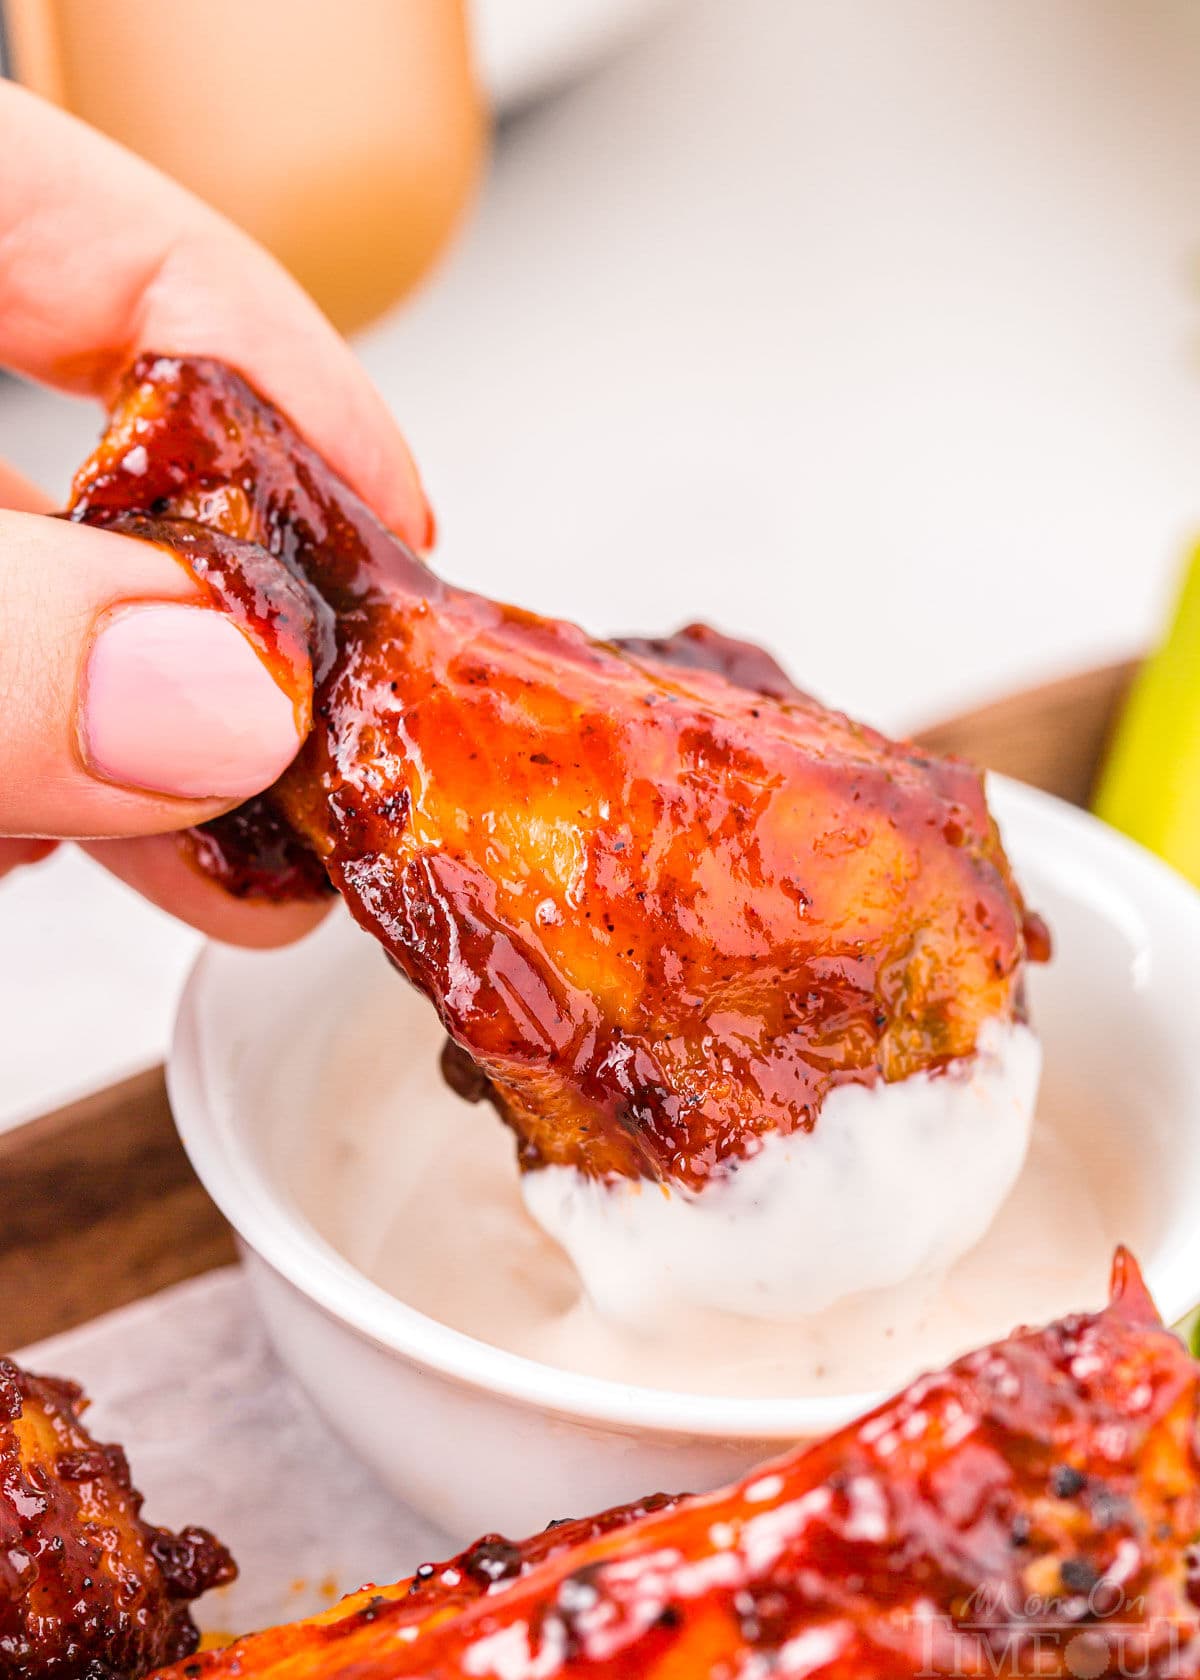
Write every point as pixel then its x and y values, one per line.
pixel 1052 737
pixel 99 1206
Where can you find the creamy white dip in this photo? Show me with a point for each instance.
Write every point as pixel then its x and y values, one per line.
pixel 419 1190
pixel 893 1183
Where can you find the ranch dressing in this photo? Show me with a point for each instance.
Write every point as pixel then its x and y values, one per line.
pixel 419 1190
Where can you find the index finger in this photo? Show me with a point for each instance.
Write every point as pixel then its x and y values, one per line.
pixel 102 257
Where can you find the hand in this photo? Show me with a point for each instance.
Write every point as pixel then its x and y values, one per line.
pixel 128 710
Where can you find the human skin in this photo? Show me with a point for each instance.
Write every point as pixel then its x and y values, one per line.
pixel 131 708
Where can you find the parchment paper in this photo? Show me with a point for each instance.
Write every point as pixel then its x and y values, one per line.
pixel 217 1433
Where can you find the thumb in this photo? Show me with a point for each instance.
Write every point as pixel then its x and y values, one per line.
pixel 129 705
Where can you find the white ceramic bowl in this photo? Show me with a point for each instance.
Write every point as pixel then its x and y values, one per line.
pixel 479 1438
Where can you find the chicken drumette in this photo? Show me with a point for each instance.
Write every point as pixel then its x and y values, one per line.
pixel 663 901
pixel 87 1588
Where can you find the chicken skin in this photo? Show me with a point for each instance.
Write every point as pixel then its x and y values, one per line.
pixel 1030 1510
pixel 663 901
pixel 87 1588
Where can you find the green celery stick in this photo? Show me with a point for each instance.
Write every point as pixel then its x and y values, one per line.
pixel 1150 784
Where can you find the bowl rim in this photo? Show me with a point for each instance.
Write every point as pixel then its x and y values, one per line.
pixel 279 1233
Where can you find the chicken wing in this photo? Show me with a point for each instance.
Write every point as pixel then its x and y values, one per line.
pixel 1030 1510
pixel 676 916
pixel 87 1588
pixel 662 899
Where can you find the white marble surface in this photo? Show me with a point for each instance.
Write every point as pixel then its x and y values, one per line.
pixel 868 330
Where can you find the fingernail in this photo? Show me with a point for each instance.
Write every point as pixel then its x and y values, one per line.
pixel 175 700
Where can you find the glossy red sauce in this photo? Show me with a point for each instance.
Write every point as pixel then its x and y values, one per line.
pixel 1030 1510
pixel 660 897
pixel 88 1589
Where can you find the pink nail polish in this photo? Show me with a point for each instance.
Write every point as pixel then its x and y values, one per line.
pixel 175 700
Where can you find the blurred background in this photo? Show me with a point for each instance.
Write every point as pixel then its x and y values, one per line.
pixel 868 330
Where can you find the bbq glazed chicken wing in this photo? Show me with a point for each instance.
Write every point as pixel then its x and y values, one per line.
pixel 87 1588
pixel 1030 1510
pixel 664 913
pixel 665 904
